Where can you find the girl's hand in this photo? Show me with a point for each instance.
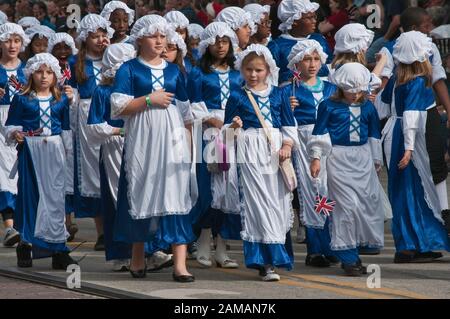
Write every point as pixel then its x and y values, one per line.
pixel 68 90
pixel 315 168
pixel 213 122
pixel 371 97
pixel 19 137
pixel 2 93
pixel 294 102
pixel 285 152
pixel 237 122
pixel 405 160
pixel 161 98
pixel 378 167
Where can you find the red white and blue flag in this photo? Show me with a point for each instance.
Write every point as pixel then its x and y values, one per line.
pixel 324 205
pixel 66 74
pixel 14 82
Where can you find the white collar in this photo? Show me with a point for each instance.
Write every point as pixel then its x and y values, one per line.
pixel 160 66
pixel 262 93
pixel 290 37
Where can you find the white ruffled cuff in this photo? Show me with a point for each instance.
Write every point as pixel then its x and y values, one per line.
pixel 200 111
pixel 383 109
pixel 289 134
pixel 319 146
pixel 376 149
pixel 9 131
pixel 413 122
pixel 100 132
pixel 185 108
pixel 119 102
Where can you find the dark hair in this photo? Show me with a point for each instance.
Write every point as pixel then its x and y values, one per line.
pixel 412 17
pixel 189 54
pixel 207 59
pixel 42 6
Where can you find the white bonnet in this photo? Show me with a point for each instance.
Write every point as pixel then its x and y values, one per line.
pixel 115 55
pixel 353 37
pixel 177 19
pixel 257 11
pixel 28 22
pixel 173 37
pixel 39 59
pixel 260 50
pixel 90 24
pixel 8 29
pixel 291 10
pixel 41 30
pixel 61 37
pixel 236 18
pixel 195 30
pixel 411 47
pixel 302 48
pixel 352 78
pixel 3 17
pixel 148 25
pixel 441 32
pixel 214 30
pixel 111 6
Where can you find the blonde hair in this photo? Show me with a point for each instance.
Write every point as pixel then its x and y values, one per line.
pixel 30 87
pixel 339 96
pixel 408 72
pixel 348 57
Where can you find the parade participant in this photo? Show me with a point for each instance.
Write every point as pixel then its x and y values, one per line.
pixel 93 36
pixel 109 133
pixel 417 224
pixel 155 197
pixel 260 16
pixel 38 36
pixel 35 121
pixel 175 50
pixel 62 46
pixel 28 22
pixel 347 131
pixel 240 22
pixel 121 18
pixel 307 91
pixel 195 31
pixel 269 133
pixel 209 88
pixel 13 40
pixel 298 21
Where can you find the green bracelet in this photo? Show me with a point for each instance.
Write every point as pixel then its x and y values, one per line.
pixel 122 132
pixel 148 101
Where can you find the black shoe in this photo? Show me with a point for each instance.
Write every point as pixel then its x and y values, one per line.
pixel 100 244
pixel 446 218
pixel 317 261
pixel 23 252
pixel 183 278
pixel 415 258
pixel 355 270
pixel 368 251
pixel 430 254
pixel 62 260
pixel 142 273
pixel 332 259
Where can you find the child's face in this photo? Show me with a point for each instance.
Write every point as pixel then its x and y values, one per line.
pixel 353 98
pixel 264 27
pixel 119 22
pixel 334 5
pixel 182 32
pixel 154 44
pixel 62 52
pixel 194 42
pixel 11 47
pixel 255 72
pixel 220 49
pixel 307 24
pixel 243 35
pixel 97 42
pixel 39 45
pixel 310 65
pixel 43 78
pixel 170 53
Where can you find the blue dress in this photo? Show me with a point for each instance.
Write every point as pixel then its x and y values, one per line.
pixel 281 48
pixel 209 94
pixel 317 226
pixel 86 201
pixel 265 199
pixel 8 154
pixel 163 214
pixel 417 223
pixel 40 214
pixel 349 135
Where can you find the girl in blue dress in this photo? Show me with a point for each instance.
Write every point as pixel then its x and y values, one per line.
pixel 298 21
pixel 13 40
pixel 109 133
pixel 39 36
pixel 240 22
pixel 62 46
pixel 307 91
pixel 266 210
pixel 35 121
pixel 347 131
pixel 417 224
pixel 194 31
pixel 93 35
pixel 261 18
pixel 209 87
pixel 155 183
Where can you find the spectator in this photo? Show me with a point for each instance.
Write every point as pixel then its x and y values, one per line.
pixel 61 15
pixel 142 8
pixel 7 8
pixel 93 6
pixel 337 19
pixel 188 11
pixel 438 14
pixel 40 12
pixel 23 9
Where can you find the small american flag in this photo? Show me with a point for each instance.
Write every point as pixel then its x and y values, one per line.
pixel 14 82
pixel 66 74
pixel 323 204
